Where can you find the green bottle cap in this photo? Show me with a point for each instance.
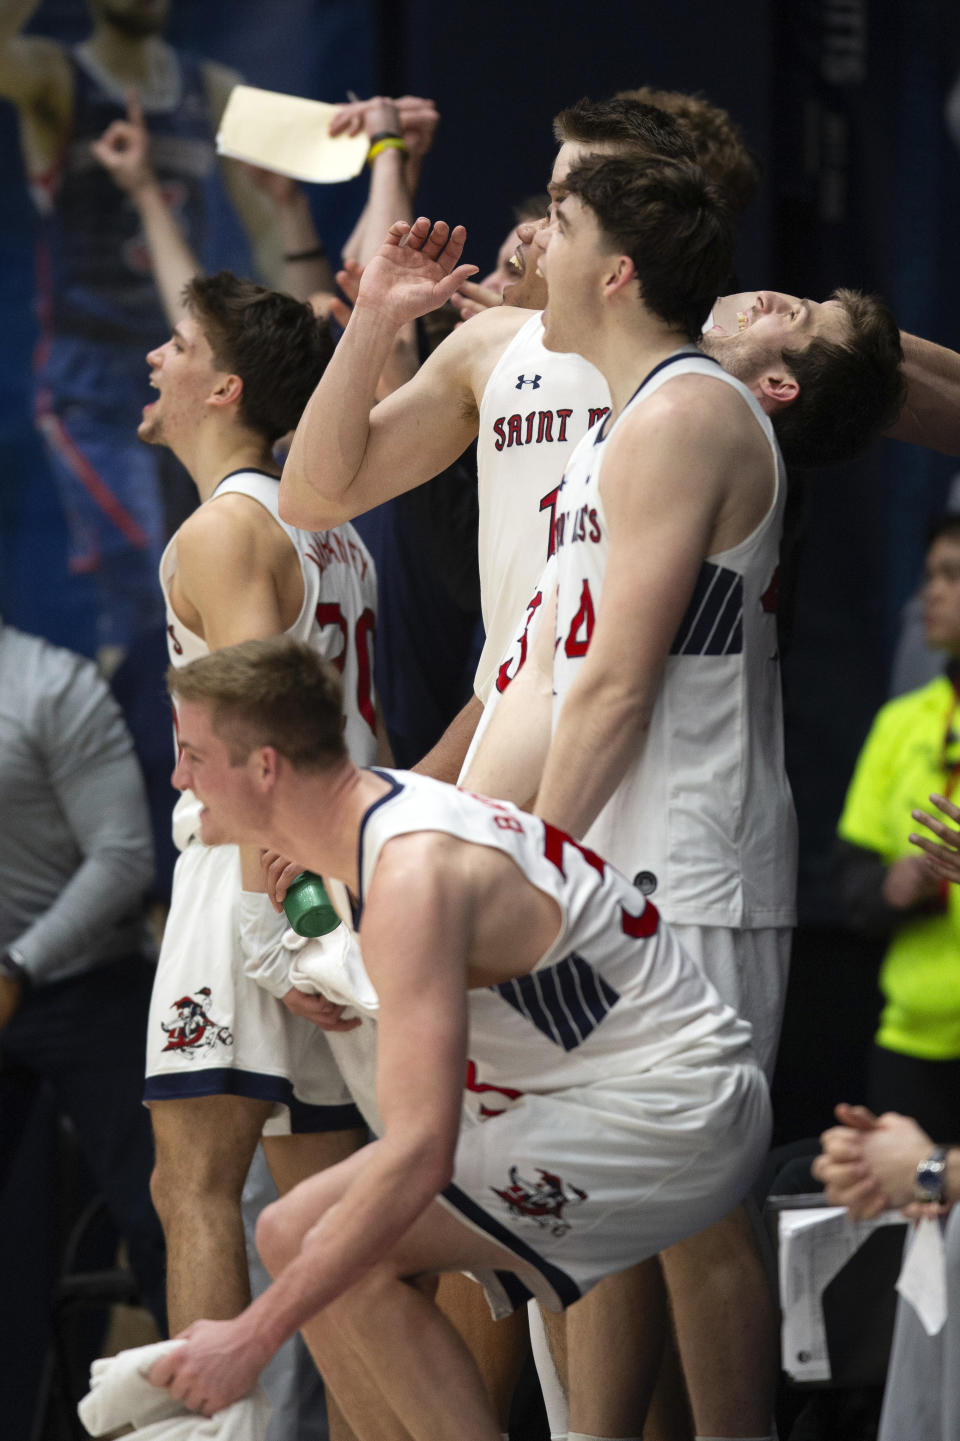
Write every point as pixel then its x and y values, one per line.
pixel 307 906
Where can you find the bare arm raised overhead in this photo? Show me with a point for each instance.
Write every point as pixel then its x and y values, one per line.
pixel 124 152
pixel 35 76
pixel 343 460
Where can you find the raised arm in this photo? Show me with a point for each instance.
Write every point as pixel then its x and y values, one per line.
pixel 343 459
pixel 931 415
pixel 415 121
pixel 124 152
pixel 253 207
pixel 35 75
pixel 306 269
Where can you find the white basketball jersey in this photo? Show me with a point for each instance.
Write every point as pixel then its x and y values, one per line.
pixel 536 406
pixel 614 995
pixel 703 819
pixel 337 619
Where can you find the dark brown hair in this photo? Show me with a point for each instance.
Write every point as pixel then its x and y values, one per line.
pixel 671 221
pixel 624 122
pixel 850 391
pixel 274 343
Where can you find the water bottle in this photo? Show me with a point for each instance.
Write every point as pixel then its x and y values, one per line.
pixel 308 907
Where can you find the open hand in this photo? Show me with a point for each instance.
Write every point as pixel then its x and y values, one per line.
pixel 943 856
pixel 416 270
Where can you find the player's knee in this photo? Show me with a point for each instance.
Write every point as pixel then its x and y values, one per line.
pixel 277 1241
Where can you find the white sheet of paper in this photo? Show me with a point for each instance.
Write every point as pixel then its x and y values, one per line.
pixel 923 1275
pixel 814 1243
pixel 288 134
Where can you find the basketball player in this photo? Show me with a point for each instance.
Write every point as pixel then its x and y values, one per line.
pixel 617 1102
pixel 493 378
pixel 98 305
pixel 517 518
pixel 229 1059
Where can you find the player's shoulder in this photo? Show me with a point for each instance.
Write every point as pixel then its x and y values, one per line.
pixel 225 525
pixel 482 339
pixel 696 406
pixel 35 70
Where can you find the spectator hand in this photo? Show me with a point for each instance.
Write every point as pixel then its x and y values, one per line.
pixel 316 1008
pixel 471 299
pixel 941 858
pixel 869 1164
pixel 419 119
pixel 908 882
pixel 367 117
pixel 124 149
pixel 416 270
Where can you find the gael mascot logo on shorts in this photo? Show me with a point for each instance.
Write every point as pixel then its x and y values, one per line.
pixel 541 1201
pixel 194 1030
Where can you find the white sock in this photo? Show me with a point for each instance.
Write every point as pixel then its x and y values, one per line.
pixel 554 1401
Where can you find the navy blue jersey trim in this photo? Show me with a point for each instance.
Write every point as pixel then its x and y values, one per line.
pixel 691 354
pixel 395 788
pixel 566 1002
pixel 565 1286
pixel 713 621
pixel 255 1086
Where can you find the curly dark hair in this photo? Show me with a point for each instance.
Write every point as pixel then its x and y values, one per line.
pixel 718 141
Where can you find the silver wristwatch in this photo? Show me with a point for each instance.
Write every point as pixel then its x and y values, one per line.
pixel 931 1177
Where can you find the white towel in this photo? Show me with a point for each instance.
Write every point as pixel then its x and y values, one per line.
pixel 333 965
pixel 121 1395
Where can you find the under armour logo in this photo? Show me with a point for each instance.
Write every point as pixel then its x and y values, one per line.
pixel 522 381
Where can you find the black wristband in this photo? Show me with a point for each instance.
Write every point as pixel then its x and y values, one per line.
pixel 384 135
pixel 317 253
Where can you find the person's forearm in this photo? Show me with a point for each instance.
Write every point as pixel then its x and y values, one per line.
pixel 389 200
pixel 305 265
pixel 931 414
pixel 330 441
pixel 510 757
pixel 601 729
pixel 445 760
pixel 104 888
pixel 390 1188
pixel 174 263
